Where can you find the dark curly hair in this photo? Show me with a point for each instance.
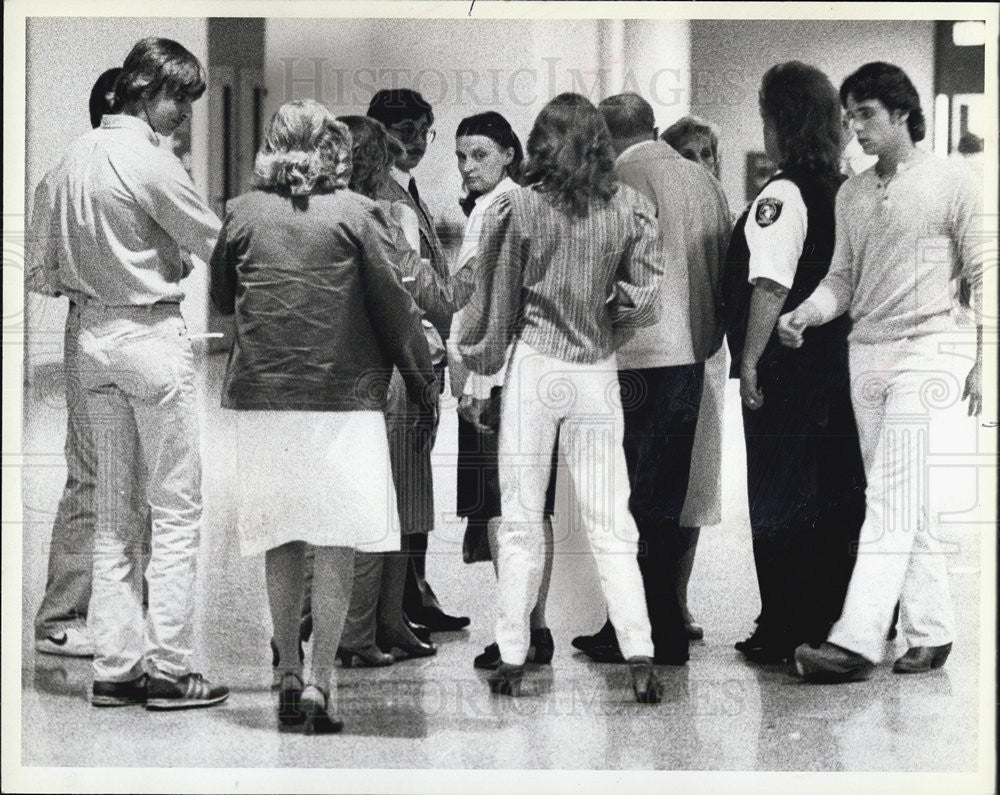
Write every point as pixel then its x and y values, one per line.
pixel 803 105
pixel 890 86
pixel 570 156
pixel 373 151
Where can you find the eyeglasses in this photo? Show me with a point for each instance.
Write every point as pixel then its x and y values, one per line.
pixel 409 131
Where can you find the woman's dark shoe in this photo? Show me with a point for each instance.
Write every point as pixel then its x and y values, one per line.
pixel 506 679
pixel 919 659
pixel 605 636
pixel 830 664
pixel 542 646
pixel 645 684
pixel 541 651
pixel 405 648
pixel 368 657
pixel 290 711
pixel 315 704
pixel 489 660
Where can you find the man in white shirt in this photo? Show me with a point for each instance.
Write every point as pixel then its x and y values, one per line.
pixel 111 224
pixel 906 229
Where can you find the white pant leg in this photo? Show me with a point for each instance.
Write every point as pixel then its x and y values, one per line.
pixel 896 395
pixel 140 370
pixel 529 420
pixel 591 438
pixel 115 610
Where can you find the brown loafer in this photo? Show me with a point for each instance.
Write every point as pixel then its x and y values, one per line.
pixel 919 659
pixel 830 664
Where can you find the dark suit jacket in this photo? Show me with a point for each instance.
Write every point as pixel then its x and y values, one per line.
pixel 430 246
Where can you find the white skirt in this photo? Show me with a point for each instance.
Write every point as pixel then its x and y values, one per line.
pixel 322 477
pixel 703 503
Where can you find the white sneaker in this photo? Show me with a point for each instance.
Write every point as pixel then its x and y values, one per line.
pixel 71 642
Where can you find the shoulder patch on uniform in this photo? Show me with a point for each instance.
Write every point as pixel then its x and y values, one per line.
pixel 768 211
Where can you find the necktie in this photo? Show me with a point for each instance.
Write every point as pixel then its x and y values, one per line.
pixel 414 192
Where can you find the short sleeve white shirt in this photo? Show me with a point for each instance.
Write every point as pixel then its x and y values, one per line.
pixel 776 232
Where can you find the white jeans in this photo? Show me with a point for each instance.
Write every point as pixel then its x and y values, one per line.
pixel 137 369
pixel 910 415
pixel 581 401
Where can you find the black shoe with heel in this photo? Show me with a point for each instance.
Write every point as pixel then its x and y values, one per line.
pixel 541 650
pixel 919 659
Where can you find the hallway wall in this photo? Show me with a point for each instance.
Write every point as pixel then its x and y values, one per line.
pixel 464 66
pixel 729 57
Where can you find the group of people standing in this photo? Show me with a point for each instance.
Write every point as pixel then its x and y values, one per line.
pixel 585 312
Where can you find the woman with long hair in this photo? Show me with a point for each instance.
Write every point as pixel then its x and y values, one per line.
pixel 564 263
pixel 490 158
pixel 805 481
pixel 321 319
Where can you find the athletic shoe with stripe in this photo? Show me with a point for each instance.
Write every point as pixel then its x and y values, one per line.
pixel 186 692
pixel 120 694
pixel 70 642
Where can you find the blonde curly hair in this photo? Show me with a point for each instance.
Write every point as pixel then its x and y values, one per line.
pixel 305 150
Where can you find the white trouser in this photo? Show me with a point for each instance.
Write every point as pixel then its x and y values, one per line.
pixel 541 396
pixel 138 373
pixel 907 402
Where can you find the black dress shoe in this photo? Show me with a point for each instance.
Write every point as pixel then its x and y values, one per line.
pixel 405 648
pixel 315 708
pixel 765 649
pixel 919 659
pixel 436 620
pixel 422 632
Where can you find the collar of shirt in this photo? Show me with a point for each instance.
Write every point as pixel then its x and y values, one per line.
pixel 121 121
pixel 502 186
pixel 402 177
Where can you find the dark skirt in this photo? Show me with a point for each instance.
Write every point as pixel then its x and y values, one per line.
pixel 478 487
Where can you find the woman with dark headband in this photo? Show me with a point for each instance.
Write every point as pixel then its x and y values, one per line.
pixel 489 158
pixel 321 320
pixel 805 481
pixel 564 262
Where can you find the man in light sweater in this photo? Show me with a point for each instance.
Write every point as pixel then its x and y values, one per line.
pixel 661 368
pixel 906 235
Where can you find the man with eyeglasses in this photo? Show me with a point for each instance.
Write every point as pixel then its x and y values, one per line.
pixel 408 117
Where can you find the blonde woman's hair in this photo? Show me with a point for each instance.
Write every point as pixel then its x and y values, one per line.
pixel 305 150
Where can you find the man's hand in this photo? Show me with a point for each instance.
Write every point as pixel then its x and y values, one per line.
pixel 792 324
pixel 471 410
pixel 750 393
pixel 974 389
